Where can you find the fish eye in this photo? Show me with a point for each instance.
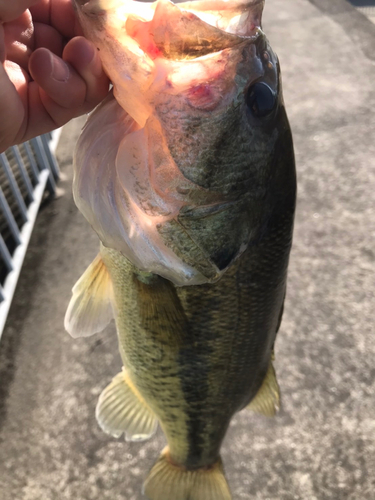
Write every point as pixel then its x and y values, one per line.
pixel 260 99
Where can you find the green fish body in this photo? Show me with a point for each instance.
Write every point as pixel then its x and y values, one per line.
pixel 193 198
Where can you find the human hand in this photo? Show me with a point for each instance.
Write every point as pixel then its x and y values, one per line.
pixel 50 74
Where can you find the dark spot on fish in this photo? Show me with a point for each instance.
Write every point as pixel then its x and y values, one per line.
pixel 193 367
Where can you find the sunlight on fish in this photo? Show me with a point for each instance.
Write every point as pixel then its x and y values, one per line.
pixel 186 173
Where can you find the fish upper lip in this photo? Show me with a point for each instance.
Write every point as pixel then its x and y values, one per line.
pixel 251 3
pixel 89 7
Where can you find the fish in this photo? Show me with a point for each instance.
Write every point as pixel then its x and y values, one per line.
pixel 186 172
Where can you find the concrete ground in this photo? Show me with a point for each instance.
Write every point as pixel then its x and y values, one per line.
pixel 322 445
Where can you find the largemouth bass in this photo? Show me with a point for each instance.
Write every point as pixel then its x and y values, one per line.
pixel 186 172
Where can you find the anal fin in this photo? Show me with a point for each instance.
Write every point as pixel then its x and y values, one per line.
pixel 90 308
pixel 267 399
pixel 122 410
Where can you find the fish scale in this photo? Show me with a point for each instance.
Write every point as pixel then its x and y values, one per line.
pixel 214 163
pixel 192 192
pixel 210 312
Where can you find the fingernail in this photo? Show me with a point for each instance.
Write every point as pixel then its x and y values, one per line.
pixel 60 70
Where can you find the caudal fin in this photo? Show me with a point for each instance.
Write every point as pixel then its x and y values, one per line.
pixel 167 481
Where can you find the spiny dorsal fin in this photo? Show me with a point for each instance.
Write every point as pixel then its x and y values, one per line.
pixel 90 308
pixel 267 399
pixel 122 409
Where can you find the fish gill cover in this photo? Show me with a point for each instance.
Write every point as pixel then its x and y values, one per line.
pixel 152 163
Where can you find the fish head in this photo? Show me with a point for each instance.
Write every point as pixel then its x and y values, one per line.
pixel 145 45
pixel 219 115
pixel 202 86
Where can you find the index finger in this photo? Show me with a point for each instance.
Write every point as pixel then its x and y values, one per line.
pixel 10 10
pixel 59 14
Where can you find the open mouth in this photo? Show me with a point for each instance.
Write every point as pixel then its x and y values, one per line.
pixel 181 30
pixel 236 17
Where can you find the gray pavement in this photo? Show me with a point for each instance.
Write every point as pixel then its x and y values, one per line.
pixel 322 445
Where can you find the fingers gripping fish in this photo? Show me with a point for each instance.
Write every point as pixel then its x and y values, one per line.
pixel 186 172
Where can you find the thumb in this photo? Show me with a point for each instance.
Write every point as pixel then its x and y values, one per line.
pixel 64 88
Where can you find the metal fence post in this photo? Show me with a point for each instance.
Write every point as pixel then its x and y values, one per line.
pixel 26 171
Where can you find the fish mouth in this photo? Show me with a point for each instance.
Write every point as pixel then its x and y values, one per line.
pixel 144 46
pixel 180 30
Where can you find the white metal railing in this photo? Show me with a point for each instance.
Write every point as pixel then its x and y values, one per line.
pixel 367 7
pixel 26 171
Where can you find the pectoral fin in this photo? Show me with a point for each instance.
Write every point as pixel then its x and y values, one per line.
pixel 267 399
pixel 121 409
pixel 90 308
